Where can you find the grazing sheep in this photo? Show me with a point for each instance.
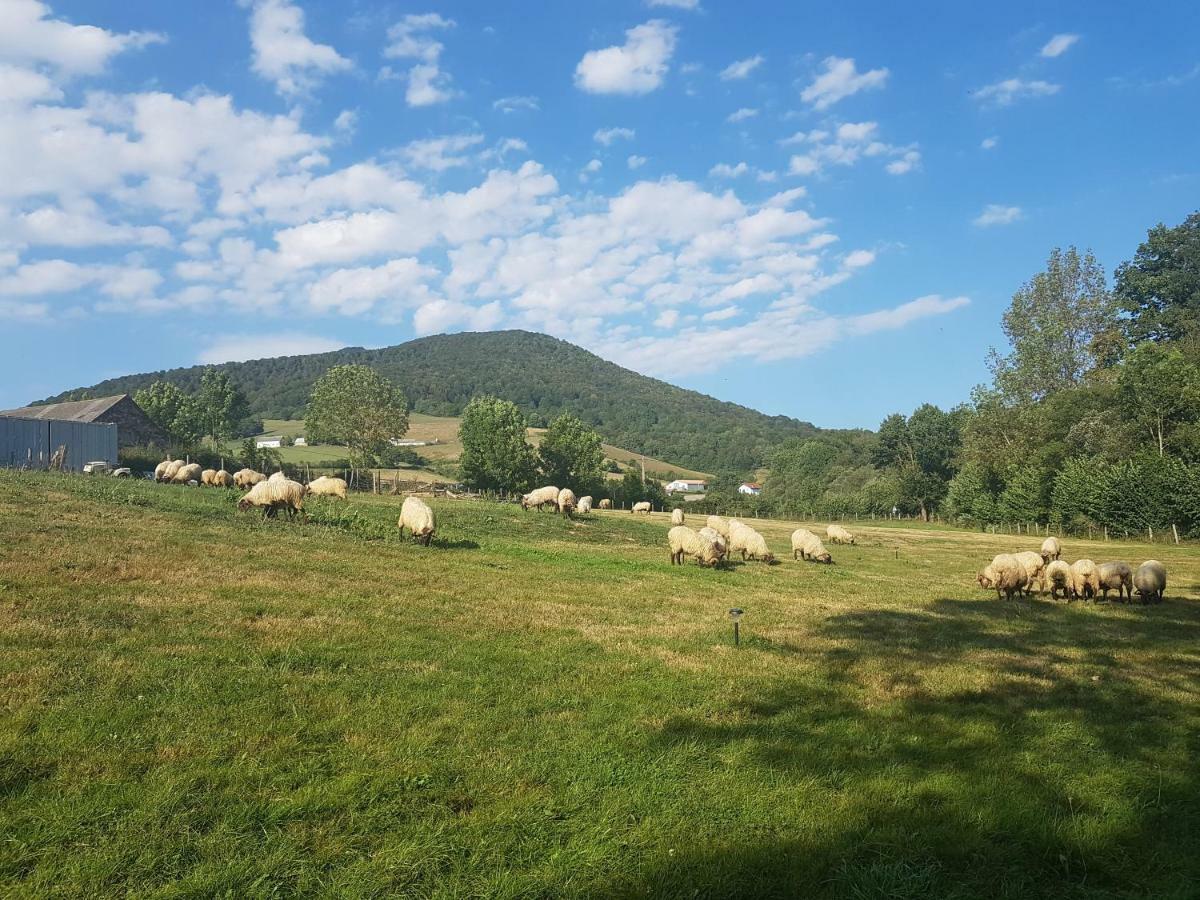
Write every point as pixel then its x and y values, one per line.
pixel 222 479
pixel 327 486
pixel 1057 577
pixel 677 516
pixel 247 478
pixel 279 476
pixel 566 502
pixel 1051 549
pixel 1005 574
pixel 169 469
pixel 541 498
pixel 606 504
pixel 749 542
pixel 272 496
pixel 187 473
pixel 641 507
pixel 1034 566
pixel 718 540
pixel 719 525
pixel 585 505
pixel 686 542
pixel 1085 580
pixel 207 476
pixel 417 517
pixel 1116 576
pixel 838 535
pixel 161 469
pixel 806 545
pixel 1150 581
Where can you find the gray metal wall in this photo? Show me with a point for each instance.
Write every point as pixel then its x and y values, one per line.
pixel 30 442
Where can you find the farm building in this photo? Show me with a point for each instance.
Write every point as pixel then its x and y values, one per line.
pixel 686 486
pixel 750 488
pixel 268 442
pixel 134 427
pixel 34 442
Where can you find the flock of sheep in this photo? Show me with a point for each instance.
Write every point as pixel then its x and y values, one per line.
pixel 278 492
pixel 1014 573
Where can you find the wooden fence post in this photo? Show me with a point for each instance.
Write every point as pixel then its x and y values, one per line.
pixel 1175 531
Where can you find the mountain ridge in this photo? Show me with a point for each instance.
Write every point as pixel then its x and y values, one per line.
pixel 543 375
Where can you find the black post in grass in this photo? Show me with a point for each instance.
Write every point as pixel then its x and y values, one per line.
pixel 736 614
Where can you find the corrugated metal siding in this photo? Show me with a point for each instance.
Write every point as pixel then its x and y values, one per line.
pixel 29 442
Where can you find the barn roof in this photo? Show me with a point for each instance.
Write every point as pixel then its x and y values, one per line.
pixel 74 411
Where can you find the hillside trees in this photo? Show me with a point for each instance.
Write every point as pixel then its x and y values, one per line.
pixel 495 454
pixel 1160 287
pixel 356 406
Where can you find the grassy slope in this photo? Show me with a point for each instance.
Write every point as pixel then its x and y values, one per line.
pixel 193 703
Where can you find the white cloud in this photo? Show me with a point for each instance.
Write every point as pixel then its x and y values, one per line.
pixel 283 53
pixel 724 170
pixel 1058 45
pixel 803 164
pixel 411 38
pixel 742 114
pixel 720 315
pixel 445 315
pixel 346 121
pixel 741 69
pixel 514 104
pixel 668 318
pixel 989 143
pixel 29 35
pixel 845 145
pixel 635 161
pixel 857 259
pixel 841 79
pixel 440 154
pixel 675 4
pixel 606 136
pixel 910 160
pixel 355 291
pixel 84 226
pixel 239 348
pixel 997 214
pixel 1005 93
pixel 593 165
pixel 23 311
pixel 21 86
pixel 636 67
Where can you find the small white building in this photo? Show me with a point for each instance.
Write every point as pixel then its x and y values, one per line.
pixel 750 488
pixel 409 442
pixel 686 486
pixel 300 442
pixel 263 442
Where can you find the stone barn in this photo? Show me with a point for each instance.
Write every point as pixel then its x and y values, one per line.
pixel 134 427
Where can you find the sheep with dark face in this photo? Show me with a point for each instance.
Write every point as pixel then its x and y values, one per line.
pixel 1005 574
pixel 1051 549
pixel 1085 579
pixel 1150 581
pixel 1116 576
pixel 677 516
pixel 417 517
pixel 541 498
pixel 806 545
pixel 1057 577
pixel 684 541
pixel 273 495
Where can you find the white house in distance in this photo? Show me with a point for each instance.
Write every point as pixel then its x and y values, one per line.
pixel 686 486
pixel 300 442
pixel 262 442
pixel 750 488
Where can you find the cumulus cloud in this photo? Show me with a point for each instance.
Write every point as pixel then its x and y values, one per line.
pixel 412 38
pixel 841 79
pixel 1058 45
pixel 845 145
pixel 741 115
pixel 997 214
pixel 516 104
pixel 239 348
pixel 1007 92
pixel 724 170
pixel 989 143
pixel 29 35
pixel 736 71
pixel 440 154
pixel 635 161
pixel 607 136
pixel 636 67
pixel 283 53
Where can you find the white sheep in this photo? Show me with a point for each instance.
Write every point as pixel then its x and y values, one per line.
pixel 806 545
pixel 1057 577
pixel 718 540
pixel 838 535
pixel 745 540
pixel 1051 549
pixel 1150 580
pixel 686 542
pixel 566 502
pixel 606 503
pixel 677 516
pixel 187 473
pixel 417 517
pixel 719 525
pixel 222 479
pixel 584 506
pixel 1085 579
pixel 279 476
pixel 168 470
pixel 272 496
pixel 1034 565
pixel 1116 576
pixel 327 486
pixel 641 507
pixel 541 498
pixel 247 478
pixel 1005 574
pixel 207 476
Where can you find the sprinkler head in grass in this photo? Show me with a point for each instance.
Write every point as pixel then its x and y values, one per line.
pixel 736 615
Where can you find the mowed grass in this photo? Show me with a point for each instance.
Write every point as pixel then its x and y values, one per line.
pixel 197 703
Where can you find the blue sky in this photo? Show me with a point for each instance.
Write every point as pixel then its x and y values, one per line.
pixel 814 210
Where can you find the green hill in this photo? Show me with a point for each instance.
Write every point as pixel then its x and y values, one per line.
pixel 543 375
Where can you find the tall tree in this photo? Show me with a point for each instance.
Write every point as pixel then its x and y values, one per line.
pixel 356 406
pixel 495 455
pixel 1158 389
pixel 221 404
pixel 571 454
pixel 1160 286
pixel 172 410
pixel 1061 324
pixel 922 451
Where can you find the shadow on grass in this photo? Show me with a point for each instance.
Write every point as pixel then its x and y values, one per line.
pixel 1053 767
pixel 455 544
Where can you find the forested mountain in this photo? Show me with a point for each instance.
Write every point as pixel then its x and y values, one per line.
pixel 542 375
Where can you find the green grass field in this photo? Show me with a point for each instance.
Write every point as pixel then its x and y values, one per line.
pixel 194 703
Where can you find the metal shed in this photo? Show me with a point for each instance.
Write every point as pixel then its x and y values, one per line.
pixel 29 443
